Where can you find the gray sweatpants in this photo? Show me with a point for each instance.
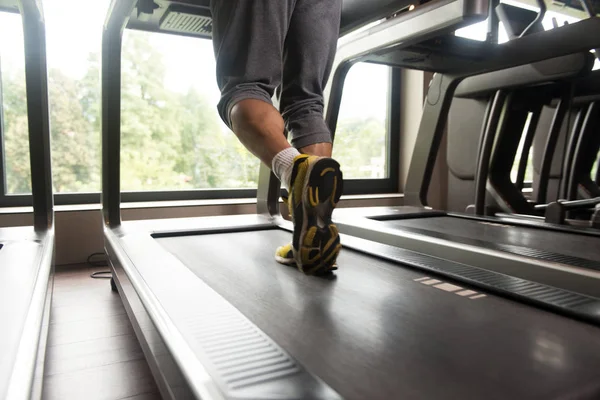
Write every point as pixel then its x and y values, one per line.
pixel 288 45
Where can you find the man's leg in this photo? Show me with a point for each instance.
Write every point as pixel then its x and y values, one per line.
pixel 308 56
pixel 248 38
pixel 316 184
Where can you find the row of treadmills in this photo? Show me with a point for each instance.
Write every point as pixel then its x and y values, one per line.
pixel 497 297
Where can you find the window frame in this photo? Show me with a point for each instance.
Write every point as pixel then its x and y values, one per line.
pixel 390 184
pixel 351 186
pixel 2 158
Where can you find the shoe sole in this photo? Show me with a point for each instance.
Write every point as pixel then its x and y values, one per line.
pixel 292 263
pixel 318 236
pixel 285 261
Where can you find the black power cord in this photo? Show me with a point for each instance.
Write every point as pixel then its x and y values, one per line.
pixel 99 260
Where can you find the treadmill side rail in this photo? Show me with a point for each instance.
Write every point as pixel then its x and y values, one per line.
pixel 221 353
pixel 27 268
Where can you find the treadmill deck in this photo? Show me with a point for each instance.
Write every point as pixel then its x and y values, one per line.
pixel 373 331
pixel 474 232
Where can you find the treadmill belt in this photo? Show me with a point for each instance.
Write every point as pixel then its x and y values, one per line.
pixel 579 250
pixel 372 332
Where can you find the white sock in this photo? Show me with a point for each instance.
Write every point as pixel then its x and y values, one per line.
pixel 282 165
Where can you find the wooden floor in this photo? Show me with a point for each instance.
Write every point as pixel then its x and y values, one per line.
pixel 92 350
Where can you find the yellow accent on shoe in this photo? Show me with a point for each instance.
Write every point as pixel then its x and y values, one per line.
pixel 285 255
pixel 326 170
pixel 315 189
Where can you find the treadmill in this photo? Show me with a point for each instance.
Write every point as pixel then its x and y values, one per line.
pixel 526 249
pixel 218 318
pixel 27 253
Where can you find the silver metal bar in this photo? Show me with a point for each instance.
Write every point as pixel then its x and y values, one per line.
pixel 2 156
pixel 424 22
pixel 589 9
pixel 36 78
pixel 116 20
pixel 538 19
pixel 21 380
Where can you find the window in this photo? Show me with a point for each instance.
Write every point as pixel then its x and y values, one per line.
pixel 528 177
pixel 173 141
pixel 14 128
pixel 362 141
pixel 74 95
pixel 172 135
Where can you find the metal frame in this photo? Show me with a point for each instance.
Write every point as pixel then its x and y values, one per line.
pixel 564 105
pixel 498 112
pixel 2 158
pixel 598 171
pixel 560 42
pixel 401 31
pixel 132 248
pixel 29 251
pixel 498 181
pixel 585 152
pixel 522 51
pixel 38 119
pixel 121 244
pixel 520 183
pixel 573 138
pixel 565 40
pixel 112 35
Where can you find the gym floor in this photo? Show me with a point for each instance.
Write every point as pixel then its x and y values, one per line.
pixel 92 351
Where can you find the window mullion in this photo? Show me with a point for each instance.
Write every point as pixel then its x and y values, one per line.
pixel 2 155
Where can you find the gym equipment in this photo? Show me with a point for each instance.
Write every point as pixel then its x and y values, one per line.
pixel 218 318
pixel 556 212
pixel 27 253
pixel 500 244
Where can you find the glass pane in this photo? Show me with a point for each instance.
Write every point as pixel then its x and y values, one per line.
pixel 74 91
pixel 361 140
pixel 519 155
pixel 596 168
pixel 14 105
pixel 172 136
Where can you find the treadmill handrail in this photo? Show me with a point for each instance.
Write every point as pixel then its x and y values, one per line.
pixel 500 104
pixel 525 75
pixel 561 113
pixel 574 38
pixel 38 117
pixel 571 145
pixel 426 21
pixel 585 151
pixel 24 366
pixel 114 25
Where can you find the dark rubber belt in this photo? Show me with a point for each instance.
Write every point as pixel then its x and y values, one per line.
pixel 373 331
